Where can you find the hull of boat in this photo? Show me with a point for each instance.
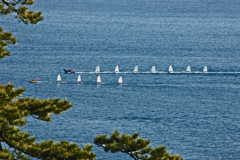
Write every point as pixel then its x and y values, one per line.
pixel 68 71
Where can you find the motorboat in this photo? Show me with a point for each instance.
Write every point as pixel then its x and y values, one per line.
pixel 68 70
pixel 33 81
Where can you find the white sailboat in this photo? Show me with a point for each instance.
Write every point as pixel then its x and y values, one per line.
pixel 170 69
pixel 97 70
pixel 79 79
pixel 135 69
pixel 205 69
pixel 120 81
pixel 188 69
pixel 99 80
pixel 116 69
pixel 59 78
pixel 153 69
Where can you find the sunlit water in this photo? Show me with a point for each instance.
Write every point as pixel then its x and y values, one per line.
pixel 195 115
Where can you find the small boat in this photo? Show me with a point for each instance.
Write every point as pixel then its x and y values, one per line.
pixel 153 69
pixel 68 70
pixel 120 81
pixel 33 81
pixel 97 70
pixel 99 80
pixel 205 69
pixel 135 69
pixel 79 79
pixel 59 78
pixel 188 69
pixel 170 69
pixel 116 69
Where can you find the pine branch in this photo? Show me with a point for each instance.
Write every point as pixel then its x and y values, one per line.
pixel 25 15
pixel 11 3
pixel 13 146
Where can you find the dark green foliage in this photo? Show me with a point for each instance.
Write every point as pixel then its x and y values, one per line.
pixel 6 38
pixel 23 14
pixel 12 114
pixel 135 147
pixel 20 8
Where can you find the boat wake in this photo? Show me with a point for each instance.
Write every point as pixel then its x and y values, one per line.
pixel 160 72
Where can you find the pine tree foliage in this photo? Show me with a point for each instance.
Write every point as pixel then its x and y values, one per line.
pixel 6 38
pixel 20 7
pixel 135 147
pixel 23 14
pixel 14 110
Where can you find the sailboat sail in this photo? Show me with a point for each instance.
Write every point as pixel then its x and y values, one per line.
pixel 205 69
pixel 98 79
pixel 97 69
pixel 153 70
pixel 188 69
pixel 59 78
pixel 79 79
pixel 116 69
pixel 135 69
pixel 120 81
pixel 170 69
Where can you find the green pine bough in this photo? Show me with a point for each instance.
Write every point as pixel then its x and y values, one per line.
pixel 13 112
pixel 135 147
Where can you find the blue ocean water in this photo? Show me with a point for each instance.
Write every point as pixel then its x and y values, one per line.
pixel 195 115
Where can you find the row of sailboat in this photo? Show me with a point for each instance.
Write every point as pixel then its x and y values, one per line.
pixel 120 81
pixel 153 69
pixel 99 81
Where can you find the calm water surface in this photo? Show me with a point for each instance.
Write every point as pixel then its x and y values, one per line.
pixel 195 115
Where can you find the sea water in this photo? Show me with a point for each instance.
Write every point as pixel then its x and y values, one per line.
pixel 195 115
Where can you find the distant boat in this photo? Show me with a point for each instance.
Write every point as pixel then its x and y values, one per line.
pixel 135 69
pixel 153 69
pixel 205 69
pixel 116 69
pixel 33 81
pixel 68 71
pixel 79 79
pixel 188 69
pixel 97 69
pixel 59 78
pixel 99 79
pixel 170 69
pixel 120 81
